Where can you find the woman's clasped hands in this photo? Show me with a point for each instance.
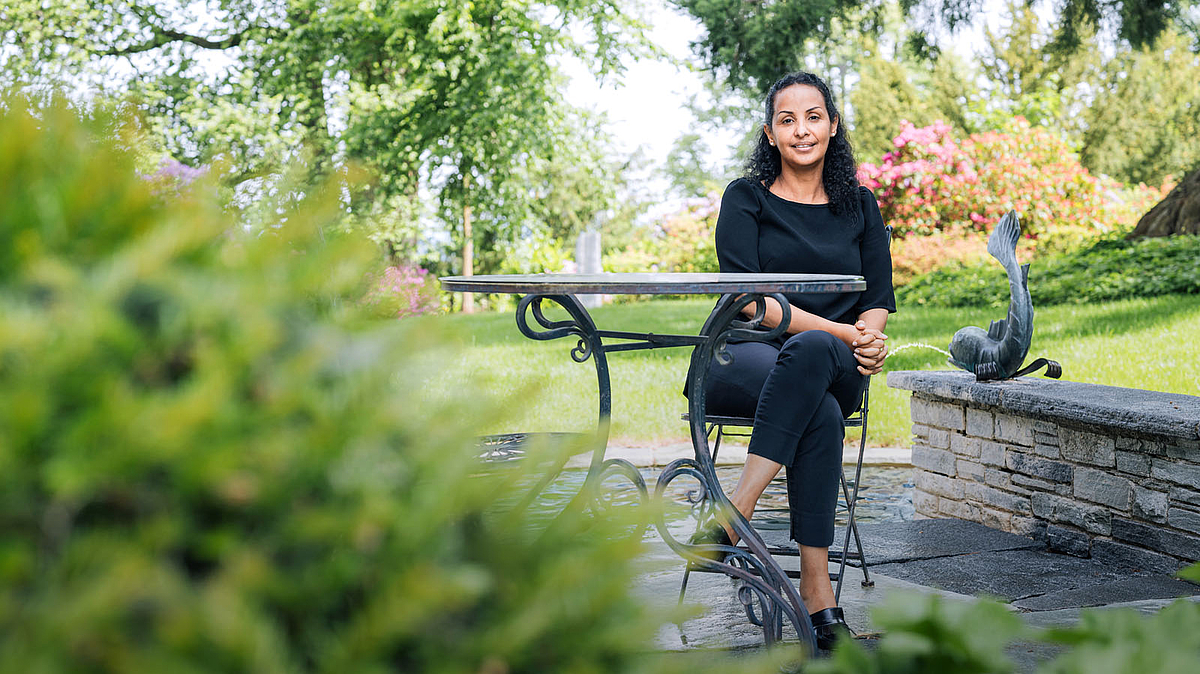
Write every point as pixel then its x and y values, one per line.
pixel 870 348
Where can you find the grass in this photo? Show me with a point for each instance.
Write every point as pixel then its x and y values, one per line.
pixel 1136 343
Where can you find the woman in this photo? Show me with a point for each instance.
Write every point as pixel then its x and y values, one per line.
pixel 800 210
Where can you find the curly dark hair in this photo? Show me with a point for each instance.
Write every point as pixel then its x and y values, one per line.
pixel 840 173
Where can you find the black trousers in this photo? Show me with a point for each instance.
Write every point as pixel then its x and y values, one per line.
pixel 799 395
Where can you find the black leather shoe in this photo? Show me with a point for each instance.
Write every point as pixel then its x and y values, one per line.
pixel 711 533
pixel 830 626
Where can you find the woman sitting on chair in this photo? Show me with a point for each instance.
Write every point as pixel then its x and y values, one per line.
pixel 800 209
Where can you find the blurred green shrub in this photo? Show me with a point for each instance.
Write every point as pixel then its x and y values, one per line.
pixel 683 241
pixel 1109 269
pixel 1167 642
pixel 538 253
pixel 211 460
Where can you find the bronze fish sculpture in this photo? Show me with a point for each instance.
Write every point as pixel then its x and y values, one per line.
pixel 999 352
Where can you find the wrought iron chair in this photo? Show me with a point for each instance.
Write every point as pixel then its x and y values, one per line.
pixel 858 419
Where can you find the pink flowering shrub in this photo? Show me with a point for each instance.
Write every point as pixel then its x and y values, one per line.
pixel 406 290
pixel 683 241
pixel 954 190
pixel 1035 173
pixel 934 181
pixel 926 183
pixel 172 177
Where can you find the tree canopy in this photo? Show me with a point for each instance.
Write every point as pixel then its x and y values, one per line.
pixel 443 102
pixel 1121 108
pixel 754 43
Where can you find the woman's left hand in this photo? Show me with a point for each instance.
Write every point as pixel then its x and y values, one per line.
pixel 870 350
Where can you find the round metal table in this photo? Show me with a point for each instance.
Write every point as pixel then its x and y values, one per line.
pixel 764 580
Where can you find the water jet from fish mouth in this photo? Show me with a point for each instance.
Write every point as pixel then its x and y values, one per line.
pixel 919 345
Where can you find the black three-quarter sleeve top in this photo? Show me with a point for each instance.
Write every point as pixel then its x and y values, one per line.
pixel 760 232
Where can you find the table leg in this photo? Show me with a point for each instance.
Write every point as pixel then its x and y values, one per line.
pixel 765 581
pixel 589 345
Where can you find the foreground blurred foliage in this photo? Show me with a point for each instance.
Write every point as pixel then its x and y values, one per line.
pixel 212 460
pixel 929 634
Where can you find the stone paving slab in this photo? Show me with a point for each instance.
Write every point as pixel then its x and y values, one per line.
pixel 1139 588
pixel 1050 588
pixel 1009 575
pixel 717 619
pixel 1070 616
pixel 1027 656
pixel 888 542
pixel 732 454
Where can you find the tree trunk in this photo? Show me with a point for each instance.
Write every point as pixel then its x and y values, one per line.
pixel 468 305
pixel 314 115
pixel 1178 213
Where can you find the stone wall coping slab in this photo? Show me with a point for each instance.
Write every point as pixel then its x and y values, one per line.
pixel 1135 411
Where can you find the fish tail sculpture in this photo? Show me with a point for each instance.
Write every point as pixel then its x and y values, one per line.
pixel 999 352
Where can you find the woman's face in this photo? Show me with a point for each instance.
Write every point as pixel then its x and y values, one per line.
pixel 801 127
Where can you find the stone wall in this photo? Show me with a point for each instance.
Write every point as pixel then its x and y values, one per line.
pixel 1097 471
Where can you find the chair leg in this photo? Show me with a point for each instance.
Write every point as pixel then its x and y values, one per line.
pixel 841 575
pixel 866 582
pixel 687 572
pixel 851 524
pixel 717 443
pixel 862 555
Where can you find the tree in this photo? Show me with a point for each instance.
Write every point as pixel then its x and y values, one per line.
pixel 1178 213
pixel 688 169
pixel 1131 115
pixel 950 88
pixel 1137 22
pixel 1026 74
pixel 719 107
pixel 884 97
pixel 731 100
pixel 753 43
pixel 1145 123
pixel 445 103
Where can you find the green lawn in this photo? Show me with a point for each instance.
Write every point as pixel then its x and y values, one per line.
pixel 1142 343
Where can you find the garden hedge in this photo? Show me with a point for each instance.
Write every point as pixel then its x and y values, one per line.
pixel 1109 269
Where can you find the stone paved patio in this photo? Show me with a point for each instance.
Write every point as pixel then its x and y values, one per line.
pixel 956 559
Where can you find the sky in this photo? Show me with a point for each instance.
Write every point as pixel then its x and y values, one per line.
pixel 647 108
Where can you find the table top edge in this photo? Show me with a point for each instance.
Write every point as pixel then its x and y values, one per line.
pixel 642 283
